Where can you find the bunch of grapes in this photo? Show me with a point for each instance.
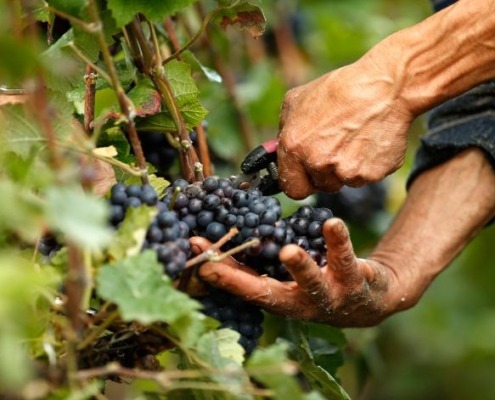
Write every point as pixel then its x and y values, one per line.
pixel 235 314
pixel 48 245
pixel 122 197
pixel 210 209
pixel 167 235
pixel 356 205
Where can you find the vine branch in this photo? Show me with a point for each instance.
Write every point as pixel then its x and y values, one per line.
pixel 125 104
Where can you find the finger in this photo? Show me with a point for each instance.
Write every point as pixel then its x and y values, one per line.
pixel 326 181
pixel 200 245
pixel 266 292
pixel 340 254
pixel 305 272
pixel 293 179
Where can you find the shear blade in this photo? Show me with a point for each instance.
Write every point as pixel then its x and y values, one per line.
pixel 246 181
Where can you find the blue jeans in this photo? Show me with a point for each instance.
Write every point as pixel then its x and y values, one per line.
pixel 439 4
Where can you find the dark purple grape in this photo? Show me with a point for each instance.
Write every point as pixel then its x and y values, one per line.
pixel 117 214
pixel 204 218
pixel 210 184
pixel 268 217
pixel 251 220
pixel 132 202
pixel 314 229
pixel 133 190
pixel 154 234
pixel 148 195
pixel 166 219
pixel 211 202
pixel 118 197
pixel 181 201
pixel 195 205
pixel 215 231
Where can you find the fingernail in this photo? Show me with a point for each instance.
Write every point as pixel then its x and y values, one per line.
pixel 195 249
pixel 211 277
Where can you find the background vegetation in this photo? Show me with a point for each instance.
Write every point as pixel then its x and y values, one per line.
pixel 441 349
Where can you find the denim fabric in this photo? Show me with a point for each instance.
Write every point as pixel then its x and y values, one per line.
pixel 465 121
pixel 439 4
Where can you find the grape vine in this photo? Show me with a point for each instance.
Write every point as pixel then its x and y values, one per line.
pixel 109 171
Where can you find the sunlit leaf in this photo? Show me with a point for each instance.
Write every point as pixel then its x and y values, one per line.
pixel 73 7
pixel 142 291
pixel 155 10
pixel 272 367
pixel 186 96
pixel 82 217
pixel 20 211
pixel 321 378
pixel 146 99
pixel 131 233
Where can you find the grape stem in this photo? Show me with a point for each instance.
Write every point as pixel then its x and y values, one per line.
pixel 125 103
pixel 210 254
pixel 229 82
pixel 204 153
pixel 89 98
pixel 149 63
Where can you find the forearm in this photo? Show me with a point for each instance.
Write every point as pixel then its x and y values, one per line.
pixel 439 58
pixel 445 208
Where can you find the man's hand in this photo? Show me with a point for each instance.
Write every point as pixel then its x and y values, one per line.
pixel 347 127
pixel 347 292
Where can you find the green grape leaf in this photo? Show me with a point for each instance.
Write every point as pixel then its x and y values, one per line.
pixel 73 7
pixel 142 291
pixel 131 233
pixel 186 96
pixel 20 132
pixel 273 369
pixel 64 70
pixel 22 61
pixel 158 122
pixel 123 71
pixel 243 15
pixel 146 99
pixel 115 137
pixel 228 348
pixel 81 216
pixel 158 183
pixel 155 10
pixel 197 66
pixel 185 90
pixel 20 211
pixel 220 350
pixel 318 376
pixel 24 311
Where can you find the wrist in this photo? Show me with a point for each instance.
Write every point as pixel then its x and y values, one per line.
pixel 439 58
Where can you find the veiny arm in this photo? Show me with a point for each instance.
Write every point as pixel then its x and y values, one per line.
pixel 350 126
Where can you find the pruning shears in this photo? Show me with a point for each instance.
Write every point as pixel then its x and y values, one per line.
pixel 259 169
